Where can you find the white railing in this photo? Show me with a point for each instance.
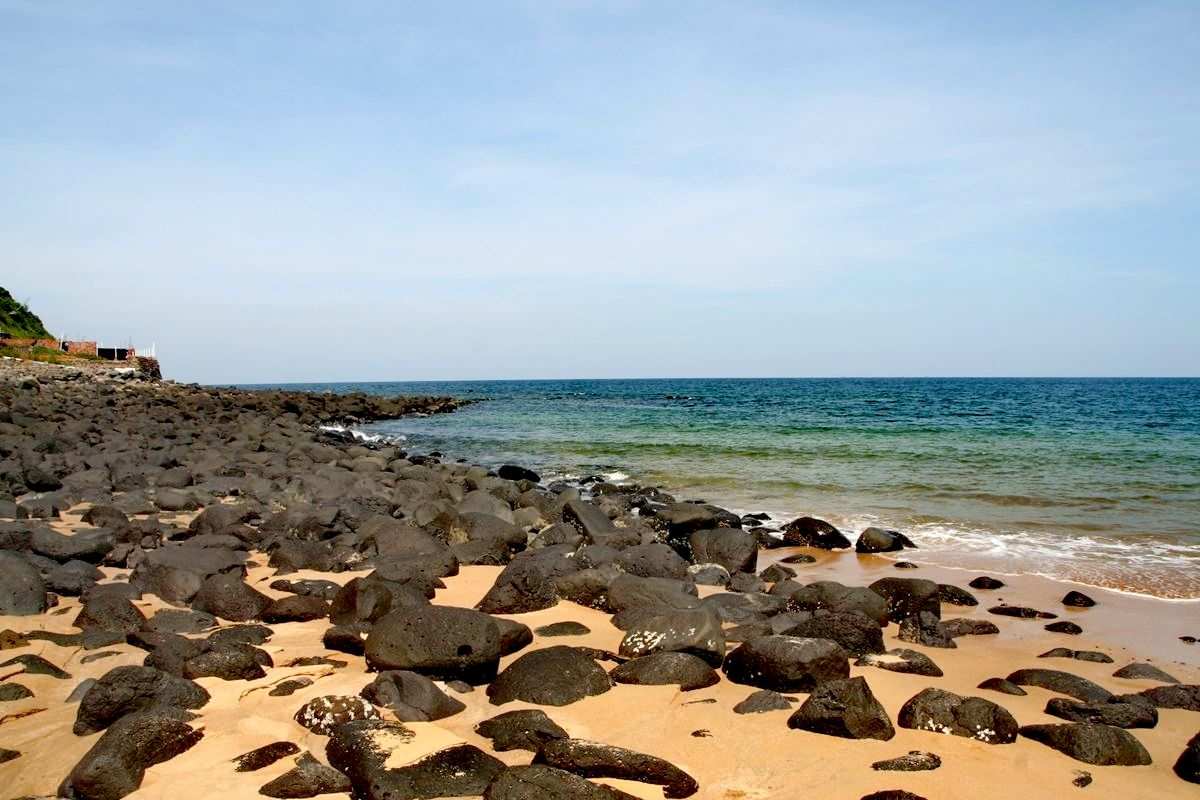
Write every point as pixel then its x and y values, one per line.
pixel 151 351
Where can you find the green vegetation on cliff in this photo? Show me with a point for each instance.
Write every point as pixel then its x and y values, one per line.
pixel 18 321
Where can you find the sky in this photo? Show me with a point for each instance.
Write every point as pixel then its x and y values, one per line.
pixel 301 191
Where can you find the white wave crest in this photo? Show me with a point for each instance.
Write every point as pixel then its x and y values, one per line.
pixel 361 436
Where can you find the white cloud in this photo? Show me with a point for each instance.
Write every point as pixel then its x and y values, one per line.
pixel 383 171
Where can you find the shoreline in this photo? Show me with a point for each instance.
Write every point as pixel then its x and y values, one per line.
pixel 850 523
pixel 1118 627
pixel 1089 484
pixel 289 521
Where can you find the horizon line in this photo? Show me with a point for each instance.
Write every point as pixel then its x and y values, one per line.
pixel 721 378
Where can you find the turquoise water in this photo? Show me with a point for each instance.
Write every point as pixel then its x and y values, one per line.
pixel 1096 480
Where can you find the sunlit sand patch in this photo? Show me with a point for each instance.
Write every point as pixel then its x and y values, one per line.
pixel 404 749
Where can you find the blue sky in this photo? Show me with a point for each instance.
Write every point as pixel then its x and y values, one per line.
pixel 377 190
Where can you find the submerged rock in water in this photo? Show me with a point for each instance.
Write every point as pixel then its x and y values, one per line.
pixel 512 472
pixel 812 532
pixel 880 540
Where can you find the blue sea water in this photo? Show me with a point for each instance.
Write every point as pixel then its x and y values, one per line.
pixel 1096 480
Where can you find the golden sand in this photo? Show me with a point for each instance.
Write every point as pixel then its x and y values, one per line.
pixel 731 755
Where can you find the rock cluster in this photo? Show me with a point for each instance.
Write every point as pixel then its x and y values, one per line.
pixel 186 489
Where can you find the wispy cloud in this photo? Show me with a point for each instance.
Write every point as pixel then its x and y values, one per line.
pixel 491 164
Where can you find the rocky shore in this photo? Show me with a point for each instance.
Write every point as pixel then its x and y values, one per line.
pixel 205 592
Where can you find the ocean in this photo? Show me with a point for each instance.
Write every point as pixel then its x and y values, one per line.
pixel 1092 480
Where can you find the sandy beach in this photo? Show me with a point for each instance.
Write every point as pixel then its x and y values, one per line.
pixel 746 756
pixel 730 755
